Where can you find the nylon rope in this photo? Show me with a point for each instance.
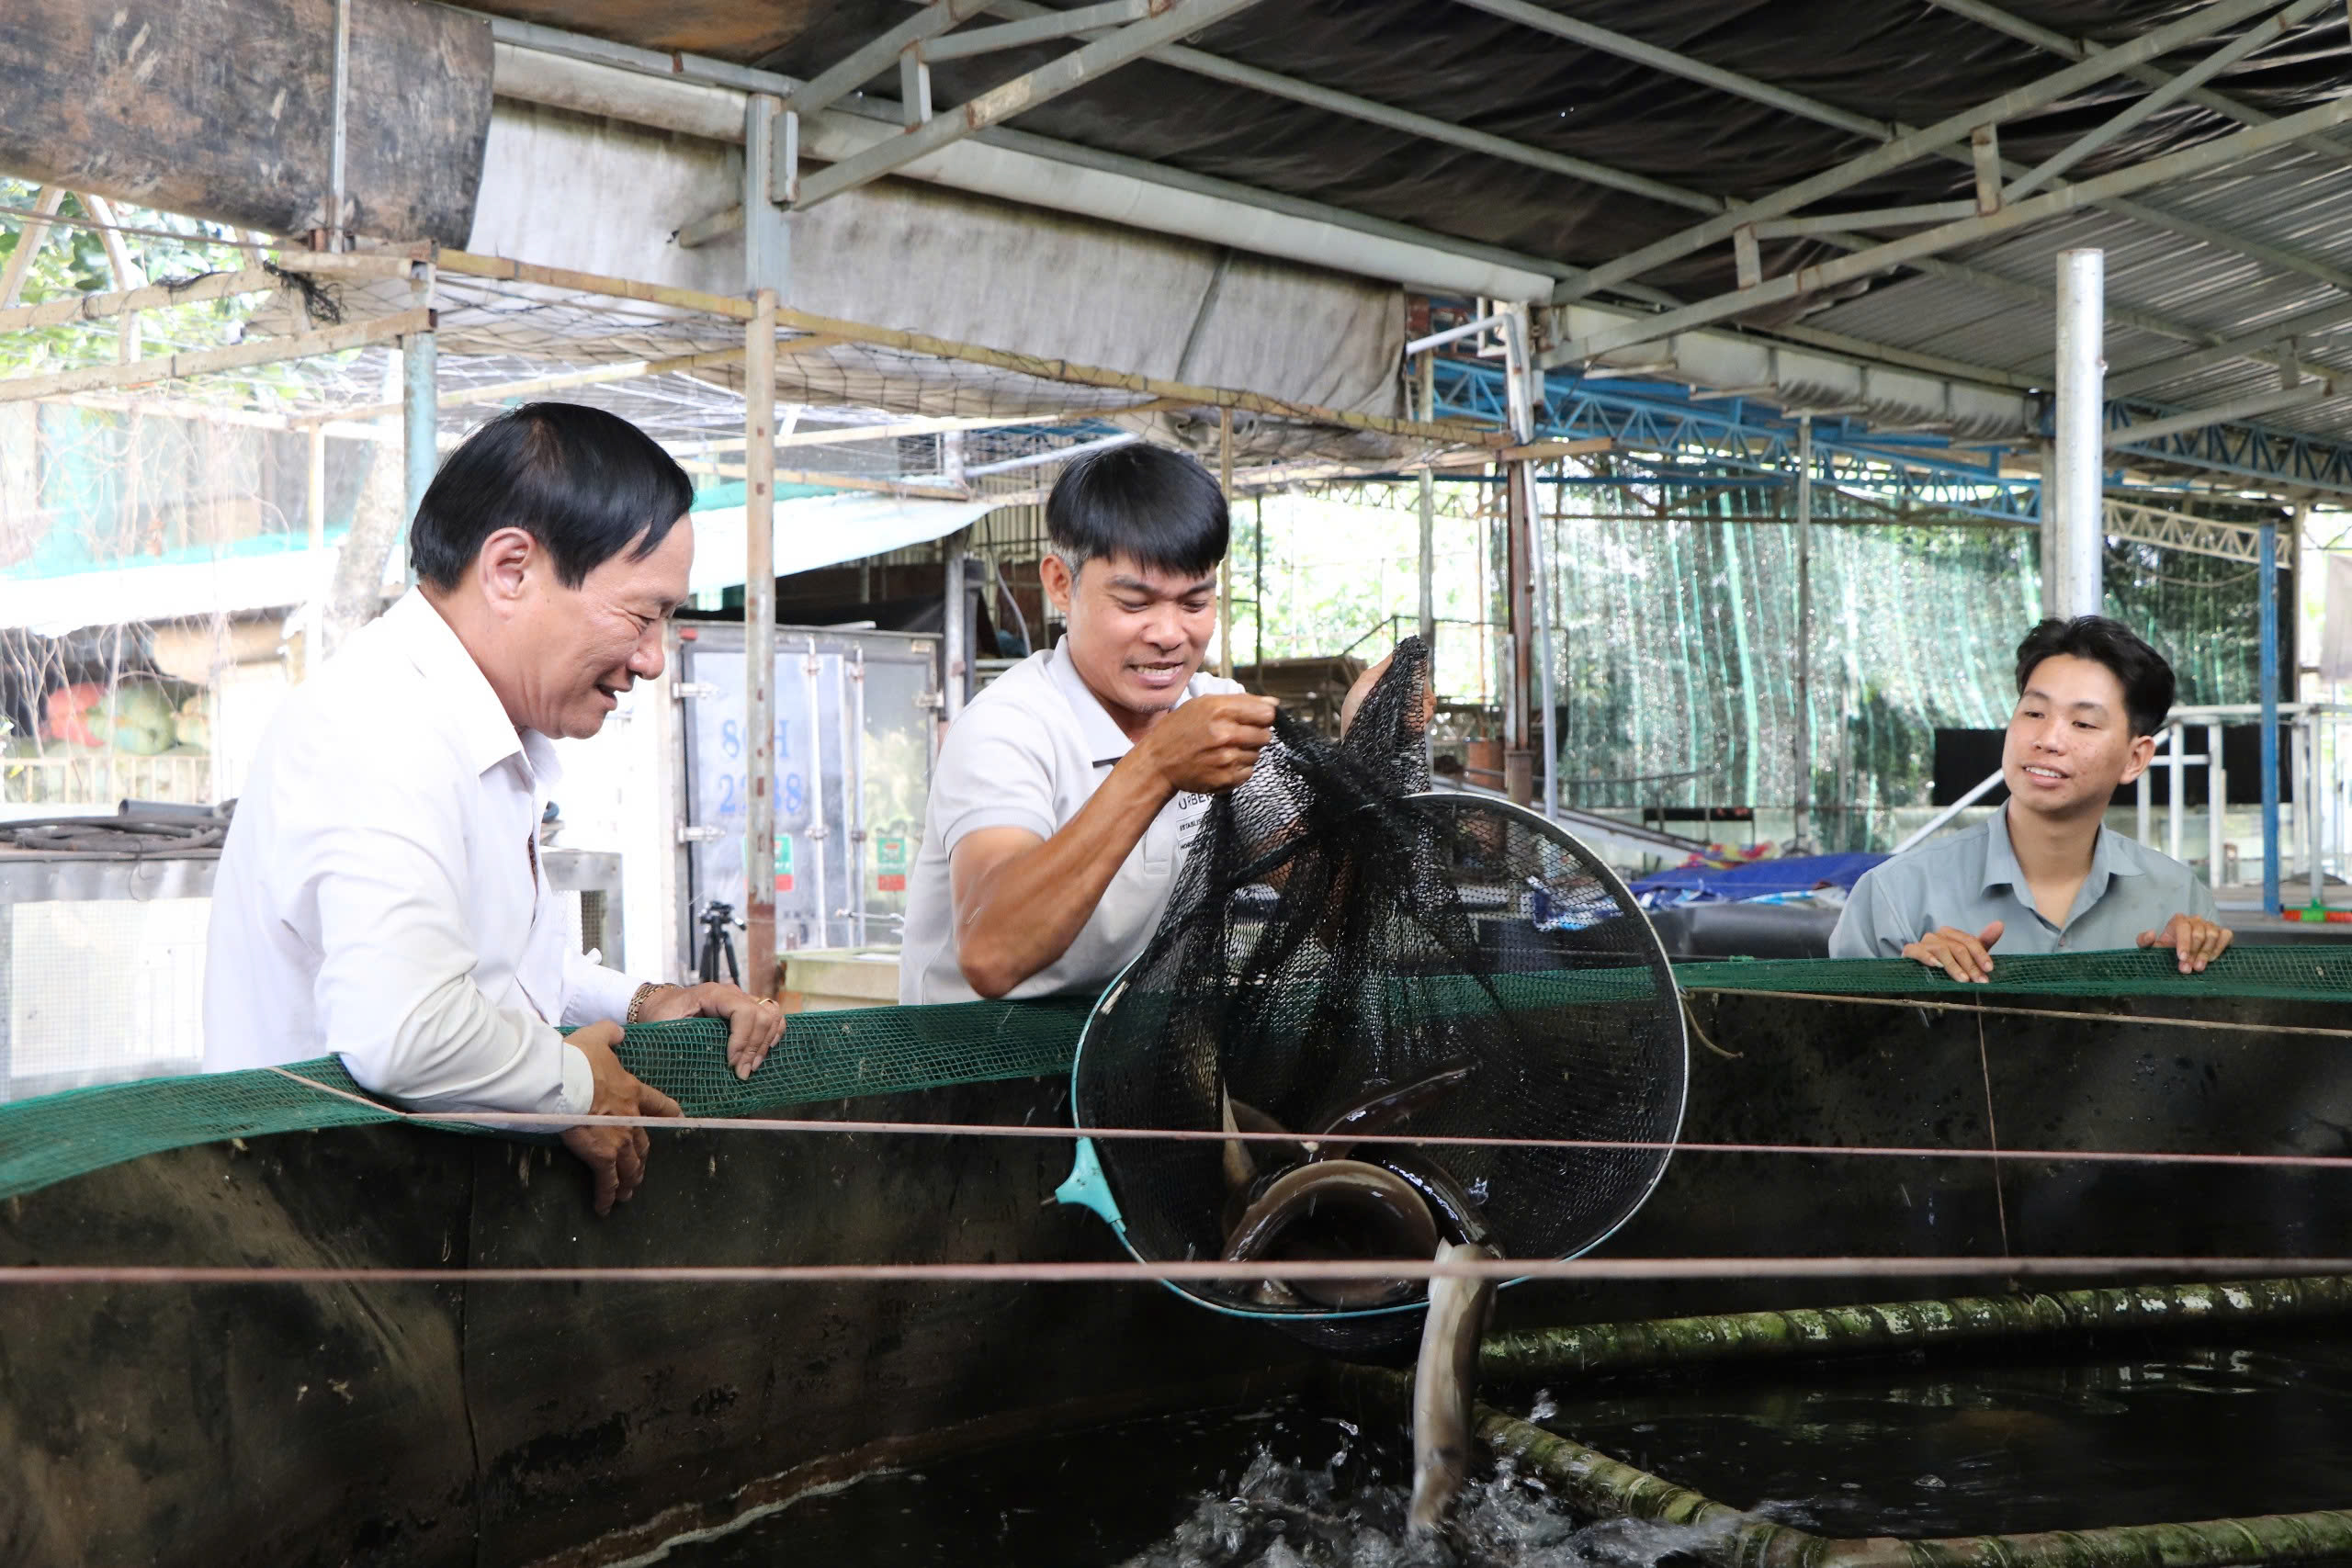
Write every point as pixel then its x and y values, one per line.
pixel 1121 1272
pixel 2155 1020
pixel 1992 1135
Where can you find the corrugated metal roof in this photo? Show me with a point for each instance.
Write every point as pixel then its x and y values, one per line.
pixel 2292 199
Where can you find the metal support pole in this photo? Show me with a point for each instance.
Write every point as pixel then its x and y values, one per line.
pixel 1804 634
pixel 1519 664
pixel 337 224
pixel 954 667
pixel 1523 519
pixel 315 504
pixel 812 664
pixel 2178 806
pixel 2142 803
pixel 1428 584
pixel 767 231
pixel 1258 587
pixel 1538 559
pixel 2303 732
pixel 2268 599
pixel 759 646
pixel 1225 567
pixel 2082 373
pixel 420 403
pixel 2217 796
pixel 853 759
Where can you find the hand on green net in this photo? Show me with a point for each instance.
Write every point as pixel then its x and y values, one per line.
pixel 2199 941
pixel 1964 957
pixel 615 1156
pixel 754 1023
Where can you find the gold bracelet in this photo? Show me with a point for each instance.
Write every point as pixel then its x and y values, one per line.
pixel 636 1002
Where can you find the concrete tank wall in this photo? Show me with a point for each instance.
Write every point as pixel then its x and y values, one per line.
pixel 502 1423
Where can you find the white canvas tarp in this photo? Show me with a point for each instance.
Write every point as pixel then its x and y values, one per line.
pixel 810 532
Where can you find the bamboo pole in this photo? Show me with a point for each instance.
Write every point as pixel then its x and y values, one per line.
pixel 1593 1482
pixel 98 307
pixel 760 963
pixel 1902 1326
pixel 1225 564
pixel 624 370
pixel 1183 393
pixel 236 357
pixel 830 481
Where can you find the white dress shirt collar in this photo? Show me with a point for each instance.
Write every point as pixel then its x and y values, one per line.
pixel 488 735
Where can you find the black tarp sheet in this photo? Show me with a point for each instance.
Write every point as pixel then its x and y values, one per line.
pixel 1908 61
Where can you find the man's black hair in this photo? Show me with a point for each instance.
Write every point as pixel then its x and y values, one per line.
pixel 2147 679
pixel 1158 508
pixel 586 484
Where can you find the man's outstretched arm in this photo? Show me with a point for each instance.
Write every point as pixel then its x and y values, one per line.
pixel 1020 900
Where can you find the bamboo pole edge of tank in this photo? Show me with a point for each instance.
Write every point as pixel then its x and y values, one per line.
pixel 1595 1483
pixel 2323 1533
pixel 1848 1330
pixel 1588 1480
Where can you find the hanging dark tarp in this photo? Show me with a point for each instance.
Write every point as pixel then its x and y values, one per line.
pixel 224 109
pixel 1883 60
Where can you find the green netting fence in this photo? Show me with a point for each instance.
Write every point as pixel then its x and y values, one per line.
pixel 828 1056
pixel 1675 686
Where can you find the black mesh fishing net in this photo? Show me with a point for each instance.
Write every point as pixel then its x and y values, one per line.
pixel 1347 952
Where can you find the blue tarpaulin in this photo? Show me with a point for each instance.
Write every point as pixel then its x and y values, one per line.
pixel 1754 879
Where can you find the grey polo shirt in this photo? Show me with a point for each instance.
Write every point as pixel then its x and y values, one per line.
pixel 1971 879
pixel 1029 751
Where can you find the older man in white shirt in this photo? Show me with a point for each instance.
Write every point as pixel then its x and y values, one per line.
pixel 379 895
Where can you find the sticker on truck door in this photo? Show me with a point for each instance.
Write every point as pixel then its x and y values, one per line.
pixel 890 863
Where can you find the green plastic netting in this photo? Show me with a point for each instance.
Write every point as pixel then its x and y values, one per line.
pixel 1671 640
pixel 822 1056
pixel 2289 973
pixel 839 1055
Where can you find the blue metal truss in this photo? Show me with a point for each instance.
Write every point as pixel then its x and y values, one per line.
pixel 2262 453
pixel 1672 436
pixel 1691 435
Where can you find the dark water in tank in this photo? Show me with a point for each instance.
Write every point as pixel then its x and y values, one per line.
pixel 2160 1431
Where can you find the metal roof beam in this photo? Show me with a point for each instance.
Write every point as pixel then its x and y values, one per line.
pixel 1215 68
pixel 1901 144
pixel 879 54
pixel 1897 253
pixel 1017 97
pixel 2177 530
pixel 2282 460
pixel 2156 372
pixel 2317 391
pixel 1037 30
pixel 2260 36
pixel 2155 76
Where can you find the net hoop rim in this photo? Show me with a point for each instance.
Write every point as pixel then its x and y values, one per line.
pixel 1543 826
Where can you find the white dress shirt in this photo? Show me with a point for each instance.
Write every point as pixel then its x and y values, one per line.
pixel 379 895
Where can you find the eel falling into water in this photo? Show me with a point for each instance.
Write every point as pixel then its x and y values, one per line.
pixel 1445 1386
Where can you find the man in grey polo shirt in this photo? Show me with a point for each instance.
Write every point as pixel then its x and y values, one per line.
pixel 2044 873
pixel 1065 792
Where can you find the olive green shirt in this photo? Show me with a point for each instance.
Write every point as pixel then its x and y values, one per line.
pixel 1973 878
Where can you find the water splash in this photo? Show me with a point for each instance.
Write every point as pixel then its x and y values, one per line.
pixel 1285 1516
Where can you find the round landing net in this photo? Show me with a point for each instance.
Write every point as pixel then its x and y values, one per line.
pixel 1335 930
